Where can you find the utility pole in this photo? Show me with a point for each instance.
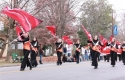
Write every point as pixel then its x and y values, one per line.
pixel 112 23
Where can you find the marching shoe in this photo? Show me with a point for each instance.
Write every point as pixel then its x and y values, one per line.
pixel 21 69
pixel 95 67
pixel 61 63
pixel 57 64
pixel 30 68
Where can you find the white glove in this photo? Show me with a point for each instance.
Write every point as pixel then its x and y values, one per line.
pixel 15 40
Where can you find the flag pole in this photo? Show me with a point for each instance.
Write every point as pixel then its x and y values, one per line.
pixel 18 36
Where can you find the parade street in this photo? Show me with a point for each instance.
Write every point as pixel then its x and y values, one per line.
pixel 67 71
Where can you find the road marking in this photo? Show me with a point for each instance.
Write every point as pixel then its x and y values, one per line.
pixel 62 66
pixel 50 67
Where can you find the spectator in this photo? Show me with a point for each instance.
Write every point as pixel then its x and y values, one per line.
pixel 69 51
pixel 72 58
pixel 69 59
pixel 64 59
pixel 64 50
pixel 41 52
pixel 83 53
pixel 86 57
pixel 89 56
pixel 101 56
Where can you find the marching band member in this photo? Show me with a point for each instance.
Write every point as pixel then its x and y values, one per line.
pixel 105 55
pixel 108 55
pixel 119 54
pixel 113 52
pixel 26 50
pixel 59 50
pixel 34 52
pixel 123 52
pixel 77 51
pixel 95 51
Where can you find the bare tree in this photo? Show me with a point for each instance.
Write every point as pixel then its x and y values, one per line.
pixel 27 5
pixel 58 13
pixel 121 27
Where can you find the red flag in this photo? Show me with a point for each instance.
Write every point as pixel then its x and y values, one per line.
pixel 103 40
pixel 118 43
pixel 69 41
pixel 17 17
pixel 51 29
pixel 18 31
pixel 31 19
pixel 111 37
pixel 107 51
pixel 65 38
pixel 27 21
pixel 87 33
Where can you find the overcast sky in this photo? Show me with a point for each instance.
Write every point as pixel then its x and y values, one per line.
pixel 117 4
pixel 119 7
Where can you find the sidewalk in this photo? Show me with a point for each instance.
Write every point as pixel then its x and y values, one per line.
pixel 8 64
pixel 45 60
pixel 4 63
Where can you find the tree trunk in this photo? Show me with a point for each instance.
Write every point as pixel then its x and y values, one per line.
pixel 53 49
pixel 9 45
pixel 3 48
pixel 16 46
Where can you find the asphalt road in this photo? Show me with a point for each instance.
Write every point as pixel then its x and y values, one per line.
pixel 67 71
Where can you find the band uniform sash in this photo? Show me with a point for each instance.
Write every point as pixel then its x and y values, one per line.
pixel 123 49
pixel 34 49
pixel 78 49
pixel 114 49
pixel 26 45
pixel 60 50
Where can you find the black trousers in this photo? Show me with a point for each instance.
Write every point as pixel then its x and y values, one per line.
pixel 25 60
pixel 113 57
pixel 108 57
pixel 95 55
pixel 64 59
pixel 105 58
pixel 77 56
pixel 120 57
pixel 91 53
pixel 98 57
pixel 123 56
pixel 59 54
pixel 33 58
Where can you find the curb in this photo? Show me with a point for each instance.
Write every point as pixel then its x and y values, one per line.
pixel 8 66
pixel 1 66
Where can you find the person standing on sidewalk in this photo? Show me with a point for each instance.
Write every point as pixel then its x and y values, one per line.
pixel 86 57
pixel 41 52
pixel 65 50
pixel 83 52
pixel 69 51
